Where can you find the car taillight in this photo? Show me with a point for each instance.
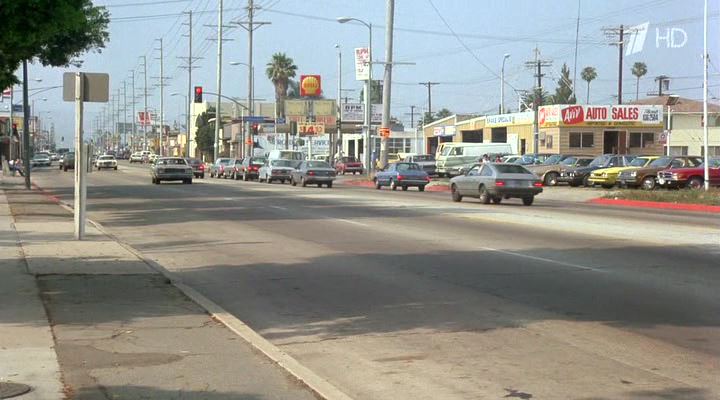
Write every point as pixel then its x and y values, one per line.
pixel 201 167
pixel 537 184
pixel 253 168
pixel 311 173
pixel 427 179
pixel 400 177
pixel 499 183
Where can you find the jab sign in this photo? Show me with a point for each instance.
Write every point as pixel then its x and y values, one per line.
pixel 608 115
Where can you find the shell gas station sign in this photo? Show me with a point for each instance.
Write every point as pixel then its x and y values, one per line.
pixel 310 86
pixel 588 115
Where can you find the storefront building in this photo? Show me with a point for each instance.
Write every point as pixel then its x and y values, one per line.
pixel 563 129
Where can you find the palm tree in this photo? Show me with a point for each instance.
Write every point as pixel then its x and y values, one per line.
pixel 639 69
pixel 279 70
pixel 588 74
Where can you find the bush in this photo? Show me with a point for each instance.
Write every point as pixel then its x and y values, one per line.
pixel 687 196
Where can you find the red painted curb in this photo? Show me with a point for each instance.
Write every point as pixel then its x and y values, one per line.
pixel 657 205
pixel 368 184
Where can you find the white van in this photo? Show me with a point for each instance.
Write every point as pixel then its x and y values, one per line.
pixel 285 155
pixel 451 158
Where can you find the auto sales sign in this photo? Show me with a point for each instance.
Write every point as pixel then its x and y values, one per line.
pixel 614 115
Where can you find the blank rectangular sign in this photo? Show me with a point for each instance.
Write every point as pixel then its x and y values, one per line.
pixel 96 87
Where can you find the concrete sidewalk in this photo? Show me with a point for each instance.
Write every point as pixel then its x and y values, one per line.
pixel 121 330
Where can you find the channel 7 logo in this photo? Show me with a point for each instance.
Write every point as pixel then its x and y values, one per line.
pixel 670 38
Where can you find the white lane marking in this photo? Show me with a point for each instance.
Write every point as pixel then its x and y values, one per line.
pixel 278 208
pixel 349 221
pixel 543 259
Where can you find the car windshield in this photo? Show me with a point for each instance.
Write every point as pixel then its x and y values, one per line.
pixel 568 161
pixel 291 155
pixel 193 161
pixel 107 158
pixel 552 160
pixel 349 159
pixel 171 161
pixel 317 164
pixel 639 162
pixel 712 163
pixel 446 150
pixel 226 161
pixel 408 167
pixel 661 162
pixel 599 161
pixel 510 169
pixel 424 158
pixel 40 156
pixel 282 163
pixel 257 161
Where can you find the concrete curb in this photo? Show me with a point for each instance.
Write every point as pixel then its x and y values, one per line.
pixel 657 205
pixel 321 387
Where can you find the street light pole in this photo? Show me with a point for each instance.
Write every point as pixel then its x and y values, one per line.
pixel 339 137
pixel 387 79
pixel 218 120
pixel 502 84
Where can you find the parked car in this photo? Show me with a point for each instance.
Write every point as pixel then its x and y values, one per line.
pixel 250 167
pixel 54 156
pixel 171 169
pixel 495 182
pixel 549 171
pixel 349 164
pixel 276 170
pixel 152 157
pixel 197 166
pixel 278 154
pixel 309 172
pixel 136 157
pixel 403 175
pixel 68 161
pixel 425 161
pixel 453 158
pixel 580 175
pixel 232 170
pixel 693 178
pixel 607 177
pixel 218 167
pixel 646 177
pixel 106 162
pixel 40 160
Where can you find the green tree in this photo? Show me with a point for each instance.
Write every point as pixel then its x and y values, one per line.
pixel 279 70
pixel 564 91
pixel 376 89
pixel 205 131
pixel 542 96
pixel 293 89
pixel 588 74
pixel 443 113
pixel 639 69
pixel 53 32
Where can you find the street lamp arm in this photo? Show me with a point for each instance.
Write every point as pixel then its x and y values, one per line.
pixel 343 20
pixel 228 98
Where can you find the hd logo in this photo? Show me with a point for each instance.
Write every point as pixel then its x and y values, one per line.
pixel 672 38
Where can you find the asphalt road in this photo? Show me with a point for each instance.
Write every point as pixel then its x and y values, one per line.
pixel 394 295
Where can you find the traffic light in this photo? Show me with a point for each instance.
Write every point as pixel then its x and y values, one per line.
pixel 198 94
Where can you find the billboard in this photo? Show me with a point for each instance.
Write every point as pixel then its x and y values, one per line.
pixel 310 86
pixel 614 115
pixel 362 64
pixel 355 112
pixel 146 119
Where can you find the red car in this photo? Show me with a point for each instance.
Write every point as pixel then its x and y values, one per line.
pixel 349 164
pixel 694 178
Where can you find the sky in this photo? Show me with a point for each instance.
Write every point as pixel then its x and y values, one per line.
pixel 458 43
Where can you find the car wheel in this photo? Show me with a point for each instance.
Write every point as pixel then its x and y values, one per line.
pixel 157 181
pixel 329 185
pixel 421 188
pixel 527 201
pixel 405 188
pixel 607 186
pixel 551 179
pixel 496 200
pixel 268 180
pixel 484 196
pixel 393 185
pixel 65 169
pixel 282 181
pixel 202 176
pixel 696 183
pixel 60 167
pixel 377 184
pixel 319 185
pixel 302 182
pixel 292 182
pixel 573 184
pixel 115 168
pixel 245 177
pixel 456 197
pixel 344 173
pixel 648 183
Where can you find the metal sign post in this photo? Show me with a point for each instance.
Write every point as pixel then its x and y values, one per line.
pixel 81 87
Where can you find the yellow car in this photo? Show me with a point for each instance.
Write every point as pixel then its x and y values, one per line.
pixel 607 177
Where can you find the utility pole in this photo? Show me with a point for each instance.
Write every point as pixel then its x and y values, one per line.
pixel 162 85
pixel 132 116
pixel 387 79
pixel 190 61
pixel 412 116
pixel 125 114
pixel 250 25
pixel 145 109
pixel 537 64
pixel 26 126
pixel 429 86
pixel 339 137
pixel 218 114
pixel 577 37
pixel 617 38
pixel 706 123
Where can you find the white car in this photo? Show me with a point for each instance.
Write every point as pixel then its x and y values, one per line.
pixel 106 161
pixel 136 157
